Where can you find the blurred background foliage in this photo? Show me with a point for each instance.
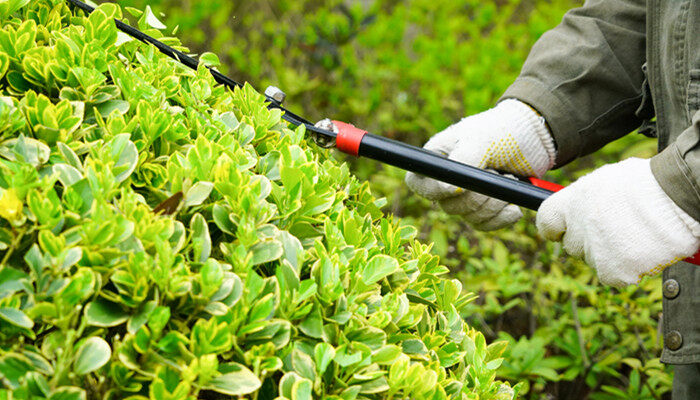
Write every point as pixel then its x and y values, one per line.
pixel 407 69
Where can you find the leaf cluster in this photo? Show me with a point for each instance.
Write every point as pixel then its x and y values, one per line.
pixel 407 70
pixel 164 237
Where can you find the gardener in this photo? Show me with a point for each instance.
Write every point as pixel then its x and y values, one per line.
pixel 608 68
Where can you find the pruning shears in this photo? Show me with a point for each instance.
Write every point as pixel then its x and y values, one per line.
pixel 528 193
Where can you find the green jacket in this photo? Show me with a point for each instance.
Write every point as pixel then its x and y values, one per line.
pixel 609 68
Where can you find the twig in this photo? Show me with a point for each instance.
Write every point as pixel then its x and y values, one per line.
pixel 640 341
pixel 15 243
pixel 577 323
pixel 484 326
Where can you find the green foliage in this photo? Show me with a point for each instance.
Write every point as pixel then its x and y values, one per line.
pixel 567 335
pixel 403 69
pixel 163 237
pixel 407 70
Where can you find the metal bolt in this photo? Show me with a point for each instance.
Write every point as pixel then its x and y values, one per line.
pixel 275 94
pixel 322 140
pixel 673 340
pixel 327 124
pixel 671 288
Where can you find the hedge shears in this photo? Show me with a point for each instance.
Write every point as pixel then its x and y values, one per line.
pixel 527 192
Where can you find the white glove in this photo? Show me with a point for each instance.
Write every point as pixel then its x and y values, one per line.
pixel 621 221
pixel 510 137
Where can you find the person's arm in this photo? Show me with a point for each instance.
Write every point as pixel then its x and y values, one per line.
pixel 585 76
pixel 633 218
pixel 677 169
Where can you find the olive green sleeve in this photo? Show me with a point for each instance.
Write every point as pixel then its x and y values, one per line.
pixel 677 169
pixel 585 75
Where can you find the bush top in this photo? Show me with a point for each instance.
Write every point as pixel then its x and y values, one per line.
pixel 164 237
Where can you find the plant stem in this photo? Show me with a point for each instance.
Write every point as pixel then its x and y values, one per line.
pixel 579 333
pixel 15 243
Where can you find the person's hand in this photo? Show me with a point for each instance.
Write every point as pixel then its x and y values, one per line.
pixel 510 137
pixel 621 221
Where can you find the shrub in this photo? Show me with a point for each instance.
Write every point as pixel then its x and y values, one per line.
pixel 407 69
pixel 163 237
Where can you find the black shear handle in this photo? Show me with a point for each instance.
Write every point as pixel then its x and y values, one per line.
pixel 357 142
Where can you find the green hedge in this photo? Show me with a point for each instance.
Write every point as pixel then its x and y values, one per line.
pixel 407 70
pixel 163 237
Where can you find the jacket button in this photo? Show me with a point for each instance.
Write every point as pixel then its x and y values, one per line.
pixel 671 288
pixel 673 340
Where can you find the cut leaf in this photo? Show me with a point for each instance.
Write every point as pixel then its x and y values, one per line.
pixel 152 20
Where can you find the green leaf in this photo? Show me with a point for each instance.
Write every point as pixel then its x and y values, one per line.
pixel 69 156
pixel 209 60
pixel 222 220
pixel 287 278
pixel 494 364
pixel 151 19
pixel 262 309
pixel 266 251
pixel 292 249
pixel 137 320
pixel 37 382
pixel 307 288
pixel 16 317
pixel 229 119
pixel 544 372
pixel 313 324
pixel 216 308
pixel 7 8
pixel 303 364
pixel 12 280
pixel 25 149
pixel 378 267
pixel 92 355
pixel 158 320
pixel 4 64
pixel 302 390
pixel 344 356
pixel 201 241
pixel 123 38
pixel 198 193
pixel 386 355
pixel 286 384
pixel 67 174
pixel 212 277
pixel 14 366
pixel 372 337
pixel 323 355
pixel 108 107
pixel 71 257
pixel 68 393
pixel 237 381
pixel 104 314
pixel 126 154
pixel 414 346
pixel 375 386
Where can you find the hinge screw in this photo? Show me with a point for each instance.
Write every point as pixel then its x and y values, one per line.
pixel 275 94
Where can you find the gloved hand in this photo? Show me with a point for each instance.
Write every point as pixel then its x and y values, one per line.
pixel 510 137
pixel 621 221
